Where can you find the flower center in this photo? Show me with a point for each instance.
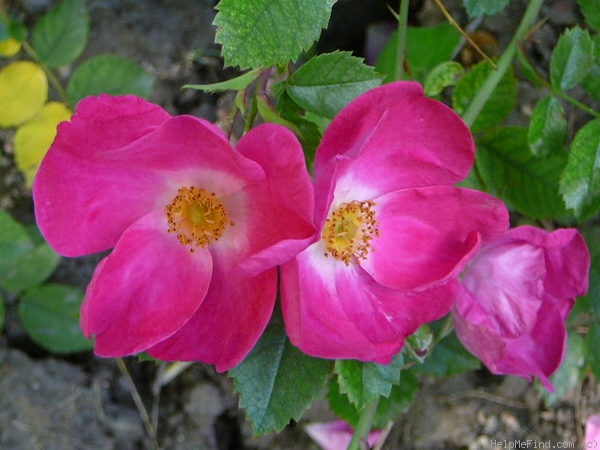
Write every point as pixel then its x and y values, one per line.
pixel 197 216
pixel 349 230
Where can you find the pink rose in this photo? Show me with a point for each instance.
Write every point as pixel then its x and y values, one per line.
pixel 197 227
pixel 393 233
pixel 515 297
pixel 337 435
pixel 592 432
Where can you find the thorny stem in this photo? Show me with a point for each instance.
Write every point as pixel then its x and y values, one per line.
pixel 53 80
pixel 504 63
pixel 139 404
pixel 363 426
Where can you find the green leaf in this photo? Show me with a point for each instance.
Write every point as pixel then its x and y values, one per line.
pixel 61 35
pixel 449 357
pixel 50 314
pixel 591 83
pixel 309 125
pixel 570 372
pixel 499 105
pixel 277 382
pixel 528 183
pixel 426 47
pixel 263 33
pixel 234 84
pixel 31 269
pixel 364 383
pixel 591 12
pixel 388 409
pixel 572 58
pixel 443 75
pixel 592 298
pixel 580 181
pixel 592 343
pixel 478 8
pixel 14 243
pixel 269 114
pixel 328 82
pixel 23 264
pixel 111 75
pixel 548 127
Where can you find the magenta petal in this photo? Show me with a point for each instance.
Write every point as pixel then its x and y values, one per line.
pixel 278 211
pixel 540 352
pixel 229 322
pixel 144 291
pixel 507 286
pixel 187 149
pixel 83 207
pixel 384 314
pixel 337 435
pixel 315 318
pixel 427 235
pixel 567 258
pixel 108 122
pixel 407 138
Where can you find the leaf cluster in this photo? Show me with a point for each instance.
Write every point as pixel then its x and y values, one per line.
pixel 48 311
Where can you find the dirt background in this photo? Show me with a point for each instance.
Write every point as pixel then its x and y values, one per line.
pixel 83 402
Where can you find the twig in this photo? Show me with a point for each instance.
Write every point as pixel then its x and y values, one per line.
pixel 453 22
pixel 139 404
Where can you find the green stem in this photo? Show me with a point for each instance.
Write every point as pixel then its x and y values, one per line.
pixel 504 63
pixel 576 103
pixel 364 426
pixel 51 78
pixel 401 44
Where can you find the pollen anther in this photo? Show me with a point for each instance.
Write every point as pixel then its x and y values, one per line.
pixel 349 230
pixel 197 216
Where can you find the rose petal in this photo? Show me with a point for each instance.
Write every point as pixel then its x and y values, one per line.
pixel 506 283
pixel 540 352
pixel 229 322
pixel 393 127
pixel 567 258
pixel 186 149
pixel 82 206
pixel 427 235
pixel 384 314
pixel 315 318
pixel 279 210
pixel 108 122
pixel 145 290
pixel 592 431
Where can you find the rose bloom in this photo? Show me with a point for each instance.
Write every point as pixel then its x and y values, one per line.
pixel 197 227
pixel 592 432
pixel 393 233
pixel 515 297
pixel 337 435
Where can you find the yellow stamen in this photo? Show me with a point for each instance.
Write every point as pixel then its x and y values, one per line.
pixel 197 216
pixel 349 230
